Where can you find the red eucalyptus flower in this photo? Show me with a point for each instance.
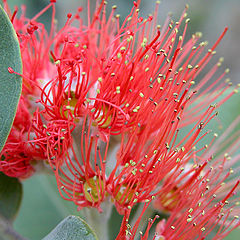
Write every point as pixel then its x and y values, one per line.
pixel 204 205
pixel 221 153
pixel 89 89
pixel 17 156
pixel 106 87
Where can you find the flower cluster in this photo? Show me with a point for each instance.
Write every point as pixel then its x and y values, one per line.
pixel 103 106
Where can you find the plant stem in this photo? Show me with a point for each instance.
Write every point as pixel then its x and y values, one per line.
pixel 99 221
pixel 7 232
pixel 147 214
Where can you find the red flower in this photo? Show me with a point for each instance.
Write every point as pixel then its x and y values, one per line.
pixel 17 156
pixel 196 218
pixel 173 187
pixel 199 210
pixel 78 179
pixel 133 81
pixel 131 87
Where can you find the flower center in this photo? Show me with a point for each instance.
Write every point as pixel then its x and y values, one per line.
pixel 69 104
pixel 168 201
pixel 103 118
pixel 94 189
pixel 124 194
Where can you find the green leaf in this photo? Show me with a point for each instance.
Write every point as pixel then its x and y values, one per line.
pixel 10 196
pixel 10 84
pixel 72 228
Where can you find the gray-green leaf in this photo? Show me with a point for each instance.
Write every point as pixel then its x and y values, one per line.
pixel 10 196
pixel 72 228
pixel 10 84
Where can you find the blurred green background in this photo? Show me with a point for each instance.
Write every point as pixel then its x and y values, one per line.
pixel 42 207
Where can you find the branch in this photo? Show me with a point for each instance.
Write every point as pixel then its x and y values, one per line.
pixel 7 231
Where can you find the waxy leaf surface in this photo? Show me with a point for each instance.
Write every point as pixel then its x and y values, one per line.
pixel 72 228
pixel 10 84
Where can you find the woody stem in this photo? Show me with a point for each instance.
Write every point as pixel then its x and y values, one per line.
pixel 7 232
pixel 99 221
